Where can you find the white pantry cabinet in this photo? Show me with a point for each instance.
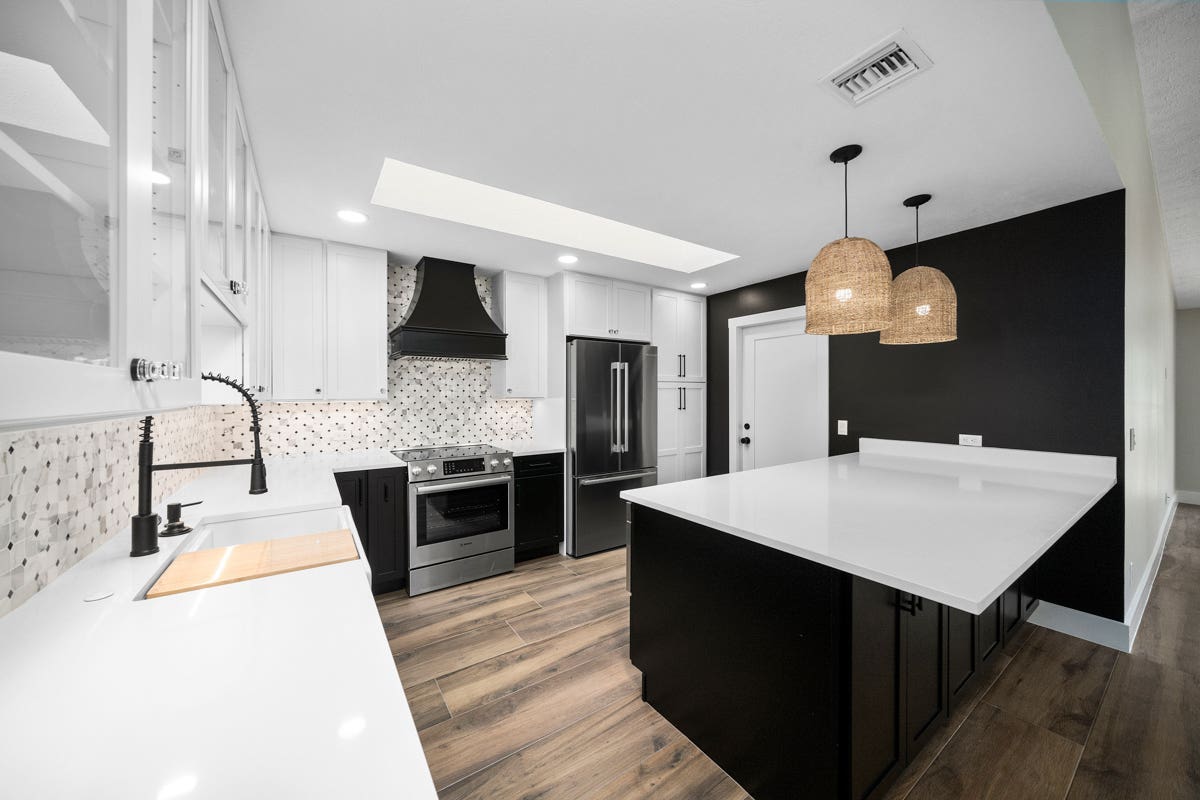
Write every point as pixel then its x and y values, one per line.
pixel 679 335
pixel 680 432
pixel 329 320
pixel 519 308
pixel 606 309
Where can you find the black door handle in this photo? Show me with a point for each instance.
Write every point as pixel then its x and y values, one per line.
pixel 745 440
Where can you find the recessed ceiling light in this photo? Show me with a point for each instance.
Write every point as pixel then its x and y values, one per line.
pixel 350 215
pixel 159 178
pixel 567 259
pixel 417 190
pixel 699 285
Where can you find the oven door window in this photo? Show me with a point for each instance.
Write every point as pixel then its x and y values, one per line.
pixel 460 513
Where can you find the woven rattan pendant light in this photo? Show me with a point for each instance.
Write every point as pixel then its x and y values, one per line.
pixel 924 304
pixel 849 284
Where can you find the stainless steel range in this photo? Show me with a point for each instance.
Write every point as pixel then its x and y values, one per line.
pixel 460 515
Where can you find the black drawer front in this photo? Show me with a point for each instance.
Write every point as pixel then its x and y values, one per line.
pixel 529 466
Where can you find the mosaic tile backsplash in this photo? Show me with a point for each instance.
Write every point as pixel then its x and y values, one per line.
pixel 66 490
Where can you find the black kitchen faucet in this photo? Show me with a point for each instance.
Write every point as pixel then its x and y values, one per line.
pixel 145 523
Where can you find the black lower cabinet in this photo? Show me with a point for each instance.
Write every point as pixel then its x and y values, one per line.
pixel 799 680
pixel 378 503
pixel 538 511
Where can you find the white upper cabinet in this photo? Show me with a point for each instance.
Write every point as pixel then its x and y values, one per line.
pixel 356 322
pixel 679 335
pixel 297 318
pixel 605 308
pixel 519 308
pixel 328 320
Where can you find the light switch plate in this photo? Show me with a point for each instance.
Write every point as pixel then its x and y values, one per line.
pixel 971 439
pixel 843 427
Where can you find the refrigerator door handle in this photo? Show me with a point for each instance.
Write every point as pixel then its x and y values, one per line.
pixel 614 393
pixel 628 476
pixel 625 406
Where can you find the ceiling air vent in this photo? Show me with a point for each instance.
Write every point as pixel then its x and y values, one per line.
pixel 893 60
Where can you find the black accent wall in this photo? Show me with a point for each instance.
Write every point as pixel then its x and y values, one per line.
pixel 1038 365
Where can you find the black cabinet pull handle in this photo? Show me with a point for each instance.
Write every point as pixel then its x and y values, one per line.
pixel 684 357
pixel 385 493
pixel 910 605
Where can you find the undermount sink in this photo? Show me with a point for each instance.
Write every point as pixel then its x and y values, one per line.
pixel 244 530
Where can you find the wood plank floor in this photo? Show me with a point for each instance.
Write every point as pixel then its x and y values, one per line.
pixel 521 688
pixel 1062 717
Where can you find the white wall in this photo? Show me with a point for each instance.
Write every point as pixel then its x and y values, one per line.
pixel 1099 39
pixel 1187 401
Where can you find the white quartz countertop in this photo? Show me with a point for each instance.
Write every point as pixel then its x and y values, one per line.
pixel 276 687
pixel 956 525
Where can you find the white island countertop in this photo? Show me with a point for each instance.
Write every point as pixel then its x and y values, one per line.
pixel 282 686
pixel 956 525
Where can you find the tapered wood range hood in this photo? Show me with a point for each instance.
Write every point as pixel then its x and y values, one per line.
pixel 445 318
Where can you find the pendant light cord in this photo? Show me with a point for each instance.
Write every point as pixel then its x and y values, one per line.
pixel 917 254
pixel 846 199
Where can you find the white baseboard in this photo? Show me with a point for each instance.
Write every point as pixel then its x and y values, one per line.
pixel 1137 604
pixel 1101 630
pixel 1192 498
pixel 1082 625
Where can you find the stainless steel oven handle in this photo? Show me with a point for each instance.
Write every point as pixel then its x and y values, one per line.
pixel 614 478
pixel 443 486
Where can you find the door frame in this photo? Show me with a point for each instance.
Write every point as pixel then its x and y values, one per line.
pixel 738 328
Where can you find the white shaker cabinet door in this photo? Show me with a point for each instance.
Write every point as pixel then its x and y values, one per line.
pixel 588 301
pixel 298 318
pixel 356 324
pixel 631 311
pixel 690 336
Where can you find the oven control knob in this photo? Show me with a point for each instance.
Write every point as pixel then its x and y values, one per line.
pixel 495 463
pixel 416 471
pixel 431 469
pixel 508 462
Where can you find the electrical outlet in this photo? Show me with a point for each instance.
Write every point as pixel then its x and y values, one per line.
pixel 843 427
pixel 971 439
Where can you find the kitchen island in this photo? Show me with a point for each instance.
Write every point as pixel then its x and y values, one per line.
pixel 809 626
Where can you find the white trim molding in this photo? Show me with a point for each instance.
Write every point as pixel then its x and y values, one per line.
pixel 1101 630
pixel 737 329
pixel 1190 498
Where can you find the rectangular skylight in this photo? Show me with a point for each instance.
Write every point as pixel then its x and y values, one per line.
pixel 417 190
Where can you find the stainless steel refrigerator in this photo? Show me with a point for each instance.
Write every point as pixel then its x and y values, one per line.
pixel 612 437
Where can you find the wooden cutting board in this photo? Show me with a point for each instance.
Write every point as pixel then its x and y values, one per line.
pixel 242 562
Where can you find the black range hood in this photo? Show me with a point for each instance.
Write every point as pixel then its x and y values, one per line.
pixel 445 318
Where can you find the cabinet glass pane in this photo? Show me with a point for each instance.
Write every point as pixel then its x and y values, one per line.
pixel 58 140
pixel 170 288
pixel 218 88
pixel 237 213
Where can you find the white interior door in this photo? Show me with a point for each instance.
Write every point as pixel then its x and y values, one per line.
pixel 782 413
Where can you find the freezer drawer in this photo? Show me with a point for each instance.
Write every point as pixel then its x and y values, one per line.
pixel 599 511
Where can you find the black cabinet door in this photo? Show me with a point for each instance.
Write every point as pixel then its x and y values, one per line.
pixel 352 487
pixel 925 671
pixel 539 511
pixel 962 652
pixel 1010 609
pixel 991 631
pixel 876 750
pixel 387 549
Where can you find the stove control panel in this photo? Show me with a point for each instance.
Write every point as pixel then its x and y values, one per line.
pixel 462 466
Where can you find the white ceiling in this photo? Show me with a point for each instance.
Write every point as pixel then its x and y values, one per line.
pixel 1167 37
pixel 699 119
